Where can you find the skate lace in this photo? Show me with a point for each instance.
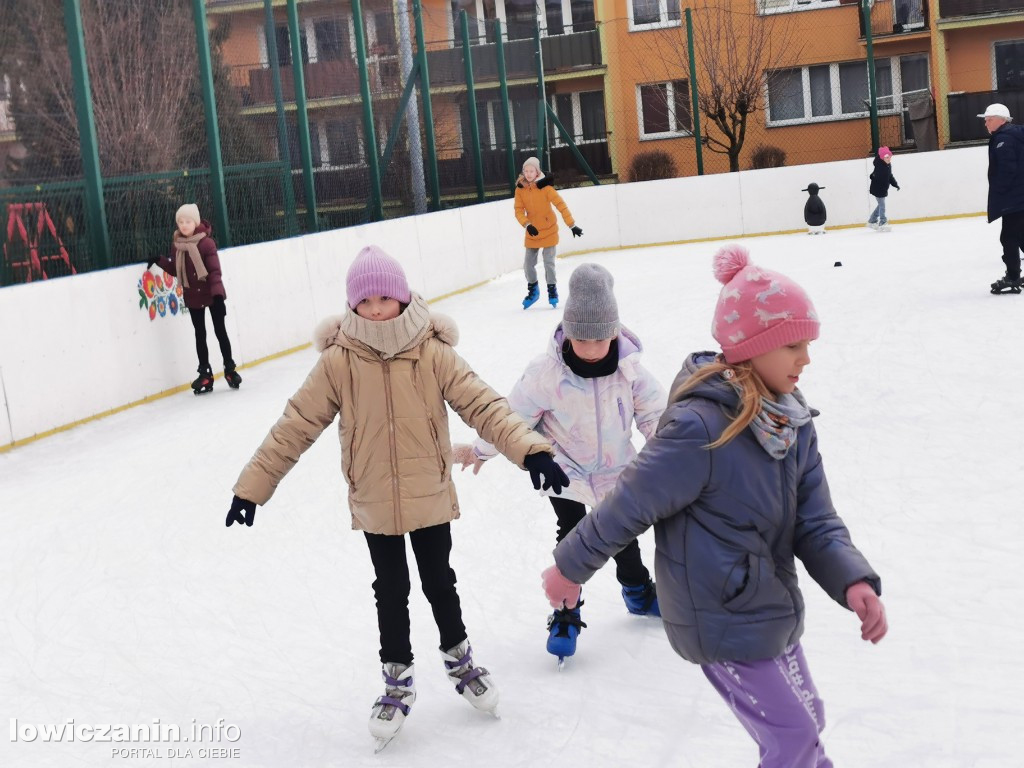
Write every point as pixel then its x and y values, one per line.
pixel 565 618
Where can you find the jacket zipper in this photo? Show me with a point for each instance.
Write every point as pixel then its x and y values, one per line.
pixel 597 412
pixel 393 447
pixel 622 414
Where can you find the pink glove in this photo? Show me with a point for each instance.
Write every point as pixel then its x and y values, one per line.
pixel 462 453
pixel 869 609
pixel 560 590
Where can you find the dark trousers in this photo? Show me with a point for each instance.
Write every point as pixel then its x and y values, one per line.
pixel 432 546
pixel 629 567
pixel 1012 239
pixel 218 311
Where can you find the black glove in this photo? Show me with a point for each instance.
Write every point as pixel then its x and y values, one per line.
pixel 235 513
pixel 577 232
pixel 531 230
pixel 541 464
pixel 897 187
pixel 151 261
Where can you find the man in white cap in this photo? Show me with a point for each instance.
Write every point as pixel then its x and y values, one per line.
pixel 1006 190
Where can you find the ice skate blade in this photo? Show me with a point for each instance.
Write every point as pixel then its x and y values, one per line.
pixel 382 742
pixel 561 663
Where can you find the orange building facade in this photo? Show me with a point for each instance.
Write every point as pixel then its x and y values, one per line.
pixel 616 74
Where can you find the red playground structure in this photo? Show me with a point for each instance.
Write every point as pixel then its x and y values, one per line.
pixel 32 248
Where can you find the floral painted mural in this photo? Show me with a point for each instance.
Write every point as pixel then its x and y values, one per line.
pixel 160 295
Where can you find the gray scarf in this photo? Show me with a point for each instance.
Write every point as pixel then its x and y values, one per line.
pixel 183 245
pixel 390 337
pixel 776 424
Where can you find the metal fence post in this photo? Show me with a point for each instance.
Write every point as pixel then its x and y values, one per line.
pixel 302 117
pixel 99 234
pixel 369 131
pixel 695 109
pixel 217 190
pixel 282 125
pixel 506 110
pixel 428 112
pixel 872 91
pixel 474 124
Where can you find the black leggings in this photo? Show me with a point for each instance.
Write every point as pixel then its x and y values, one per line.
pixel 629 567
pixel 218 311
pixel 432 547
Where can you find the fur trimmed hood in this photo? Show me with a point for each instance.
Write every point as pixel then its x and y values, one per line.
pixel 328 331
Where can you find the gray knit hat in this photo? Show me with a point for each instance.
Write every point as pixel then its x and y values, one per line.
pixel 591 312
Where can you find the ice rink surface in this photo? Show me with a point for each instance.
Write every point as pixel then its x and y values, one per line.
pixel 126 600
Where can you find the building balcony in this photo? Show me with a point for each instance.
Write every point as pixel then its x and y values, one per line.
pixel 964 108
pixel 950 9
pixel 897 18
pixel 577 51
pixel 335 78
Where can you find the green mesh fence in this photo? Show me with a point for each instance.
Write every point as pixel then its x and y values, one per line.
pixel 616 97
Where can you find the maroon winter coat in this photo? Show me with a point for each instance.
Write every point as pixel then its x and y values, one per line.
pixel 199 293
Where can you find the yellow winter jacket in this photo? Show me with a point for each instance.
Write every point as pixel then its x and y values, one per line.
pixel 533 206
pixel 393 427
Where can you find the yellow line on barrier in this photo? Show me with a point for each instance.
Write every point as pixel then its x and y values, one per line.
pixel 276 355
pixel 143 401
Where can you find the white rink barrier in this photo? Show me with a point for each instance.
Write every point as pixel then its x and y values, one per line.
pixel 74 348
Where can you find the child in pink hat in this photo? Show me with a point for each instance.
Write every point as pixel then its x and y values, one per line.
pixel 881 179
pixel 734 486
pixel 388 372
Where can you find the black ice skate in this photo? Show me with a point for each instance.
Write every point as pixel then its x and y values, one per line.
pixel 204 382
pixel 231 377
pixel 552 295
pixel 1007 285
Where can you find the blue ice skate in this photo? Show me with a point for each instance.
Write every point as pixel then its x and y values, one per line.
pixel 532 294
pixel 552 295
pixel 564 626
pixel 642 600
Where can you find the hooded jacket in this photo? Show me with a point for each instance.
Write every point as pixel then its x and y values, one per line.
pixel 534 201
pixel 588 420
pixel 729 524
pixel 393 426
pixel 199 293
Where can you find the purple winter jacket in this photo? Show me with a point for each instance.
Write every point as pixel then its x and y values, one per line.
pixel 728 526
pixel 200 293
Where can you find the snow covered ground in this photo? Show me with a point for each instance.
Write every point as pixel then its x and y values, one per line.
pixel 125 599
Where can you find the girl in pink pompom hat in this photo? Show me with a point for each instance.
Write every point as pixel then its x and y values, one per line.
pixel 881 179
pixel 734 486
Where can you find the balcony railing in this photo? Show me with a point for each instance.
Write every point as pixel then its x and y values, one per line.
pixel 964 108
pixel 952 8
pixel 897 17
pixel 561 53
pixel 334 78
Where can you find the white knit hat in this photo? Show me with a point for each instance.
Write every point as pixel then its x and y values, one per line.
pixel 188 211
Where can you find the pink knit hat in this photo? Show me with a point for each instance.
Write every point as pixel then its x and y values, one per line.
pixel 758 310
pixel 884 152
pixel 374 273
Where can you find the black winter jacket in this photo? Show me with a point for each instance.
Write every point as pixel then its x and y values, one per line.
pixel 882 178
pixel 1006 171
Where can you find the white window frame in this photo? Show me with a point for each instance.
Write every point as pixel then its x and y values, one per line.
pixel 325 152
pixel 673 132
pixel 769 7
pixel 663 20
pixel 577 120
pixel 837 101
pixel 499 11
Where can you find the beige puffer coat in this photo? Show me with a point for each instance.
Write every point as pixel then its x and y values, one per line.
pixel 395 445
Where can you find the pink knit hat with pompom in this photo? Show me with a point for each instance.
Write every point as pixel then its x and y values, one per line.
pixel 758 310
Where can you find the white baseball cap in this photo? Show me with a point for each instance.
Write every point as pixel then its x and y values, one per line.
pixel 997 110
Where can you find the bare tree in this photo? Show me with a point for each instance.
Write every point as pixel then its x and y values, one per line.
pixel 144 78
pixel 736 55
